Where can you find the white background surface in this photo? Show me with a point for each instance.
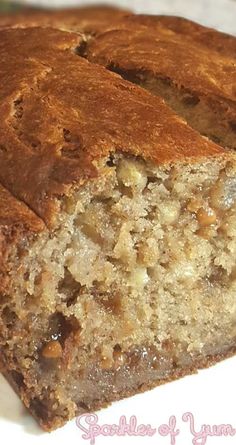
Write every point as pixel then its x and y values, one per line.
pixel 211 394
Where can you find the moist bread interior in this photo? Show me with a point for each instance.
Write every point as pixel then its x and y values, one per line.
pixel 138 275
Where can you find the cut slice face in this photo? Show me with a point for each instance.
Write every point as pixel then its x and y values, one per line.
pixel 136 286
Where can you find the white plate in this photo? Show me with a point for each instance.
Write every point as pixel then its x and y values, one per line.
pixel 210 396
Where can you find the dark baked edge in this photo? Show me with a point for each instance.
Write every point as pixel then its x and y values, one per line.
pixel 198 365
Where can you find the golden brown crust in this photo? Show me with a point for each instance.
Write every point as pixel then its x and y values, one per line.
pixel 51 132
pixel 101 18
pixel 205 58
pixel 212 39
pixel 91 19
pixel 192 57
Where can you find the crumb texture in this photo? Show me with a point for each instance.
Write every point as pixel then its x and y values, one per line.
pixel 138 279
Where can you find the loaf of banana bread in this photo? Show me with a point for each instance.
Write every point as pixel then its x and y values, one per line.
pixel 117 233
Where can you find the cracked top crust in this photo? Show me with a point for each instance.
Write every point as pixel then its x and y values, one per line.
pixel 193 57
pixel 60 114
